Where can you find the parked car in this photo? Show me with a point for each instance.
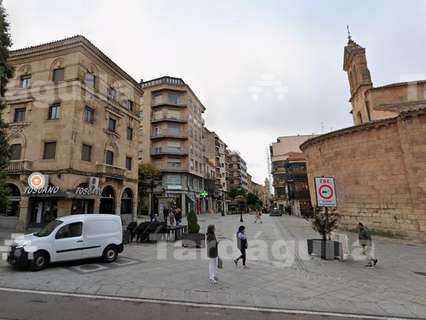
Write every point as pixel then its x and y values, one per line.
pixel 68 238
pixel 275 212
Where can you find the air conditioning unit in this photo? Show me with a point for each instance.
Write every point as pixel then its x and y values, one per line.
pixel 93 183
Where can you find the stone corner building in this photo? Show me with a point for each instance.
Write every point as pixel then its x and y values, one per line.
pixel 73 116
pixel 379 163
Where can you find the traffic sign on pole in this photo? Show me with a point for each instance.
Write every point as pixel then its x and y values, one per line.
pixel 325 190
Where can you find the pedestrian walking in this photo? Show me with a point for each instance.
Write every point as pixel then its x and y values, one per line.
pixel 366 242
pixel 212 253
pixel 166 214
pixel 152 216
pixel 178 216
pixel 172 217
pixel 242 245
pixel 258 217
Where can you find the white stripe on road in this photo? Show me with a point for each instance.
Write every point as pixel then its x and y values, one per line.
pixel 200 305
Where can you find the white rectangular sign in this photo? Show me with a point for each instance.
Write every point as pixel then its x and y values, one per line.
pixel 325 189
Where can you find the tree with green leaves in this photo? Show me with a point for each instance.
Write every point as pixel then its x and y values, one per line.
pixel 6 72
pixel 193 226
pixel 149 179
pixel 253 201
pixel 235 192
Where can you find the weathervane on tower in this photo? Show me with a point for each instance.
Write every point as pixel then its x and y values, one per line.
pixel 349 33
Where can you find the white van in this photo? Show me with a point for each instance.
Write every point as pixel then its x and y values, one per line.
pixel 67 238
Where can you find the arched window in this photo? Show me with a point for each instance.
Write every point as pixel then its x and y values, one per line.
pixel 359 117
pixel 107 201
pixel 127 201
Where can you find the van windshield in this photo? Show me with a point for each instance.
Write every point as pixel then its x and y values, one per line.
pixel 47 229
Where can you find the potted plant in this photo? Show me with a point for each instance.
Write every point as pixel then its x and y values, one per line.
pixel 324 222
pixel 193 239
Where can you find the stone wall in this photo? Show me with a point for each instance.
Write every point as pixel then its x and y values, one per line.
pixel 380 171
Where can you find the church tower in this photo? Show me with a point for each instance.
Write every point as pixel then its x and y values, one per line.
pixel 355 65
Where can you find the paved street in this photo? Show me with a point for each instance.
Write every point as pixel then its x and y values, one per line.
pixel 33 306
pixel 284 278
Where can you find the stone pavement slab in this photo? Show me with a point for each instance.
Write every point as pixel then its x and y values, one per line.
pixel 286 277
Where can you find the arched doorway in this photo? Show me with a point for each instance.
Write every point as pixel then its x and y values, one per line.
pixel 107 201
pixel 12 210
pixel 127 202
pixel 82 204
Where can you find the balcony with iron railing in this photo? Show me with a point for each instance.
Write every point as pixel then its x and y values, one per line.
pixel 164 151
pixel 168 118
pixel 296 176
pixel 165 100
pixel 169 134
pixel 18 166
pixel 110 170
pixel 279 170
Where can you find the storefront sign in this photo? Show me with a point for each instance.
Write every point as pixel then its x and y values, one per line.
pixel 39 184
pixel 88 191
pixel 44 190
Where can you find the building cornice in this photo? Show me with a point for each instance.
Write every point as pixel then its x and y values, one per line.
pixel 71 42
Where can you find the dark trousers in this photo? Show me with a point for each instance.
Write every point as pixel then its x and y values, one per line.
pixel 243 256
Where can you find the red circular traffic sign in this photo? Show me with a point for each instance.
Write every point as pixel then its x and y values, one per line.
pixel 326 191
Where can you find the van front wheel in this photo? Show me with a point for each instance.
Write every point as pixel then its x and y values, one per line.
pixel 110 253
pixel 40 261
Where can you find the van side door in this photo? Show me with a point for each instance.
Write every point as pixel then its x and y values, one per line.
pixel 68 242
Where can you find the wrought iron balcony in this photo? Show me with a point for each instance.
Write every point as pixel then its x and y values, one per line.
pixel 169 135
pixel 168 119
pixel 169 151
pixel 110 170
pixel 18 166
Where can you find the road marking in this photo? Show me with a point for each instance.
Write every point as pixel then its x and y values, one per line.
pixel 202 305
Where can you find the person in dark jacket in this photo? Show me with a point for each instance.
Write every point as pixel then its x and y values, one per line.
pixel 242 244
pixel 365 241
pixel 212 252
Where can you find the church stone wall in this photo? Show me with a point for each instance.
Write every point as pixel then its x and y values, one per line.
pixel 380 171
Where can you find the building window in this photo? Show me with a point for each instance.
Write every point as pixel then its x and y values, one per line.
pixel 19 115
pixel 49 150
pixel 174 163
pixel 141 115
pixel 25 81
pixel 15 152
pixel 173 98
pixel 157 131
pixel 129 133
pixel 111 94
pixel 174 180
pixel 156 99
pixel 174 129
pixel 129 105
pixel 359 116
pixel 109 157
pixel 90 80
pixel 112 124
pixel 128 163
pixel 54 111
pixel 58 75
pixel 191 163
pixel 86 152
pixel 89 114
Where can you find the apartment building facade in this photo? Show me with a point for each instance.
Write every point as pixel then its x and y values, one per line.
pixel 215 155
pixel 289 174
pixel 236 171
pixel 72 115
pixel 172 116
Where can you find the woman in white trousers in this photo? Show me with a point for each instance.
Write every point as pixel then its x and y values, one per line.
pixel 212 252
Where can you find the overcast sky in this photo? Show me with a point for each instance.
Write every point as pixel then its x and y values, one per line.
pixel 262 68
